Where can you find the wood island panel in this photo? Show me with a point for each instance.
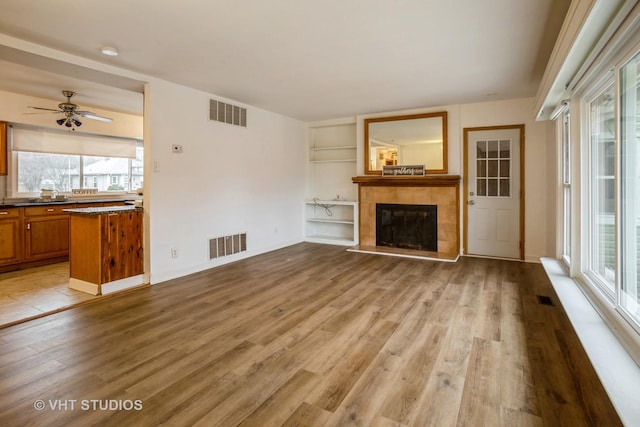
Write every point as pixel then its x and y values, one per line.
pixel 85 241
pixel 121 246
pixel 106 247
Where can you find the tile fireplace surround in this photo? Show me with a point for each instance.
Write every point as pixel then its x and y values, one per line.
pixel 440 190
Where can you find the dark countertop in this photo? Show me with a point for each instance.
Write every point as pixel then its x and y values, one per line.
pixel 103 210
pixel 60 202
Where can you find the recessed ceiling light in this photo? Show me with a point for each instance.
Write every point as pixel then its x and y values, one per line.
pixel 109 51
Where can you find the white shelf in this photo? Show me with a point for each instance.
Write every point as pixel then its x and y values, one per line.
pixel 332 156
pixel 332 222
pixel 330 240
pixel 344 147
pixel 331 202
pixel 333 161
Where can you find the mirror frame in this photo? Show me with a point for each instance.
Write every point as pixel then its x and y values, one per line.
pixel 441 114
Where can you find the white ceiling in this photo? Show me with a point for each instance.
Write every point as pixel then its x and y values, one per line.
pixel 310 60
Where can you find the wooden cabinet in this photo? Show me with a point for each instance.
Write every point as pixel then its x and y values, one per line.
pixel 46 231
pixel 4 159
pixel 37 235
pixel 105 247
pixel 10 236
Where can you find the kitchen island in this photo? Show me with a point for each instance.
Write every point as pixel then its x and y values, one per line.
pixel 105 248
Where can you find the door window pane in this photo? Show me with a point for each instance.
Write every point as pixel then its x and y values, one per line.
pixel 482 187
pixel 630 188
pixel 602 189
pixel 482 168
pixel 492 187
pixel 493 162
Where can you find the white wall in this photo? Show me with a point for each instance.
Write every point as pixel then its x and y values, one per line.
pixel 228 180
pixel 539 172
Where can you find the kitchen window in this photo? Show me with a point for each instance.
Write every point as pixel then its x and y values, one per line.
pixel 601 234
pixel 63 161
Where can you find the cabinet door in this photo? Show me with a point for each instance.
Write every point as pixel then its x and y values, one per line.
pixel 46 237
pixel 9 241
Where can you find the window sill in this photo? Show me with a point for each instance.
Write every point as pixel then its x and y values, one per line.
pixel 616 369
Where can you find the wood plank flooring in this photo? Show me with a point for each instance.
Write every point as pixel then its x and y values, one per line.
pixel 310 335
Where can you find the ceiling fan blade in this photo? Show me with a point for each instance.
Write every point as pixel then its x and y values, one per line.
pixel 46 109
pixel 90 115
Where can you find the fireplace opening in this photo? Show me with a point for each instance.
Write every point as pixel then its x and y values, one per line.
pixel 407 226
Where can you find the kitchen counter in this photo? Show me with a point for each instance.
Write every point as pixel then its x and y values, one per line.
pixel 23 204
pixel 102 210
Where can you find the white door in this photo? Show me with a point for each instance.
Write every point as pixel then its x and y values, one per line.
pixel 493 192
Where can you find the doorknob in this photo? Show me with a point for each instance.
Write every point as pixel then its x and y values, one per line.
pixel 471 202
pixel 472 193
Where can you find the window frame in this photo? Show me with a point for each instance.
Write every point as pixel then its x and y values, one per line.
pixel 566 172
pixel 587 223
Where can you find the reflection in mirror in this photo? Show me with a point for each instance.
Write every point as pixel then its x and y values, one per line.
pixel 419 139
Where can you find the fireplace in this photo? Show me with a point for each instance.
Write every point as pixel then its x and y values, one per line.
pixel 407 226
pixel 441 191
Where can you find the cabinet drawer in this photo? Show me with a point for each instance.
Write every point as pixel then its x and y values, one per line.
pixel 46 210
pixel 9 213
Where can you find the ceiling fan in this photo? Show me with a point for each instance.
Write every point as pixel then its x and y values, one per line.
pixel 71 112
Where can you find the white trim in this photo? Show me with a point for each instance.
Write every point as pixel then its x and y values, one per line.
pixel 84 286
pixel 400 255
pixel 122 284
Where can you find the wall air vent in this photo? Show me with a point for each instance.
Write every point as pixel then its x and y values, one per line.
pixel 227 245
pixel 227 113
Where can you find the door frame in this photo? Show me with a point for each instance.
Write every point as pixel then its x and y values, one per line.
pixel 465 183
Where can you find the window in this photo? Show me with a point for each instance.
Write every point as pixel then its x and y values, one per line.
pixel 45 170
pixel 630 187
pixel 566 186
pixel 62 162
pixel 601 201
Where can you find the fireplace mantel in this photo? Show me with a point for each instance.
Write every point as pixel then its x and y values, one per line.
pixel 440 190
pixel 411 181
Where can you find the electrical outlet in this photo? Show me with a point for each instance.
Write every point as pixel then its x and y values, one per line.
pixel 175 148
pixel 174 253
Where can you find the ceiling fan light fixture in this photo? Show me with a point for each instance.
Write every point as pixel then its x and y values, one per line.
pixel 109 51
pixel 61 121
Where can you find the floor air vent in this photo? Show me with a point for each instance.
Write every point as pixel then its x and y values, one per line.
pixel 227 113
pixel 544 300
pixel 227 245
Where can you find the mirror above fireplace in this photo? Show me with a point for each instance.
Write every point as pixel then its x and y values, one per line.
pixel 418 139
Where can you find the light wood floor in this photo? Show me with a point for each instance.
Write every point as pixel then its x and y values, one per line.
pixel 311 335
pixel 32 292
